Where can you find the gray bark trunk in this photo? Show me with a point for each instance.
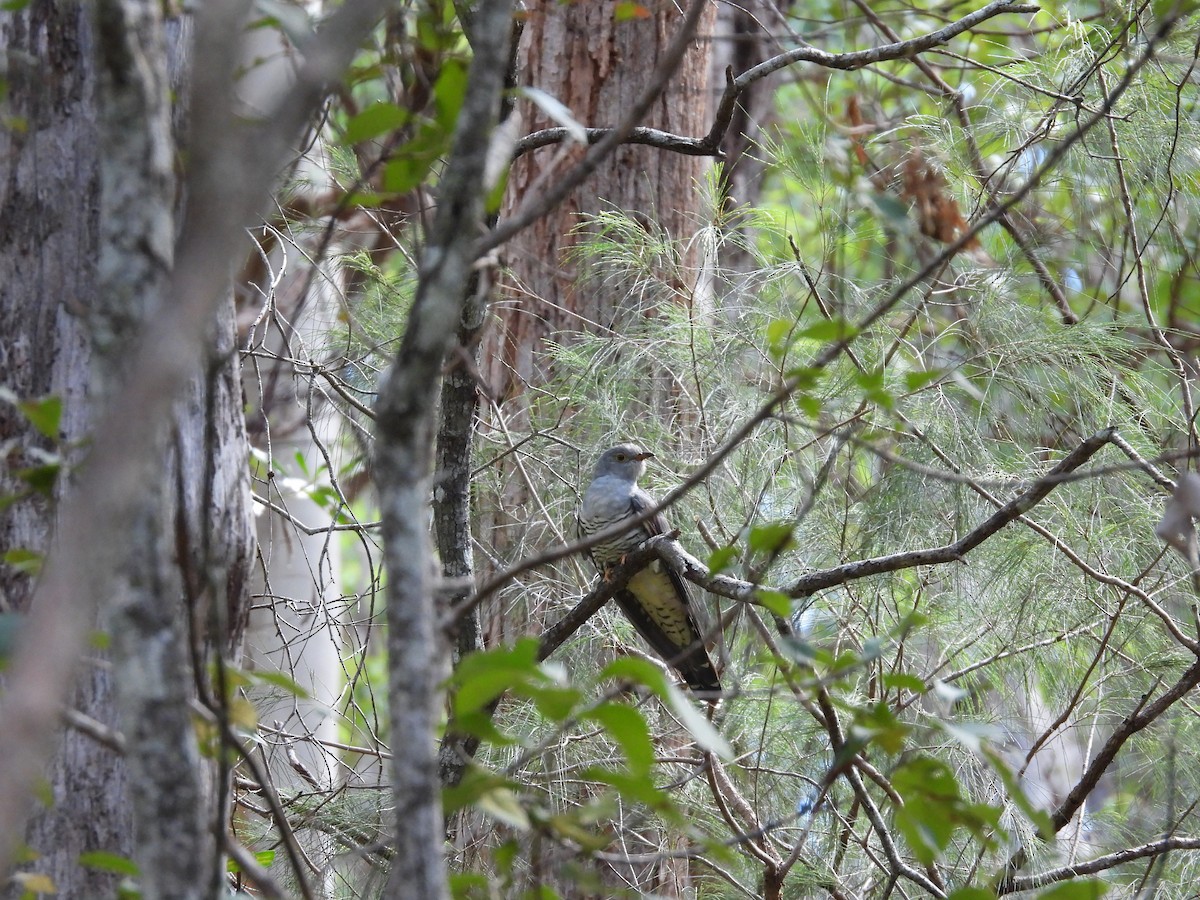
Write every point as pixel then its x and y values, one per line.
pixel 49 234
pixel 407 403
pixel 76 291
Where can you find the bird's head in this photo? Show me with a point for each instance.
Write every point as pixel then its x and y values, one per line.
pixel 627 461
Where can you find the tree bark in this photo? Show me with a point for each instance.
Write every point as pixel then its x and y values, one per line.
pixel 595 65
pixel 92 84
pixel 49 235
pixel 408 400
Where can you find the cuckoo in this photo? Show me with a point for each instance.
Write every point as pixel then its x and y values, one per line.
pixel 656 599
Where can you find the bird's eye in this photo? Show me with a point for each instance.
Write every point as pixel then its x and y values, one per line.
pixel 620 457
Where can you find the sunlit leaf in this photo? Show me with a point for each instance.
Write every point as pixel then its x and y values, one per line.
pixel 502 805
pixel 24 560
pixel 557 112
pixel 44 414
pixel 773 537
pixel 263 857
pixel 35 882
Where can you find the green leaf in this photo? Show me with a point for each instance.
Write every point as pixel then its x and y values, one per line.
pixel 495 197
pixel 829 330
pixel 628 728
pixel 721 559
pixel 914 381
pixel 771 538
pixel 804 378
pixel 805 653
pixel 406 172
pixel 109 862
pixel 779 333
pixel 44 414
pixel 40 478
pixel 1039 817
pixel 468 885
pixel 925 827
pixel 376 119
pixel 263 857
pixel 646 673
pixel 476 782
pixel 640 671
pixel 279 680
pixel 874 386
pixel 482 677
pixel 972 893
pixel 777 602
pixel 810 405
pixel 878 724
pixel 636 787
pixel 924 775
pixel 904 681
pixel 1087 889
pixel 24 560
pixel 1164 8
pixel 627 10
pixel 891 207
pixel 449 91
pixel 555 702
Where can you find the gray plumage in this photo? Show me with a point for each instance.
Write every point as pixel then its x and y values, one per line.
pixel 656 599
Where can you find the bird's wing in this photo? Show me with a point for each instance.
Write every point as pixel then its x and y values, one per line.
pixel 639 501
pixel 657 602
pixel 581 534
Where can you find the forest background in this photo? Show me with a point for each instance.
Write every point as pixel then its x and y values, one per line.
pixel 315 319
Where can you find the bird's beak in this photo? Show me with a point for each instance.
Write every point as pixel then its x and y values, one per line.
pixel 645 454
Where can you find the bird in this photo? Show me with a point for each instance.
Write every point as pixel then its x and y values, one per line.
pixel 656 599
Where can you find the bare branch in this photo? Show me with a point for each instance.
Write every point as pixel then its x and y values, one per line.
pixel 710 144
pixel 1145 714
pixel 1100 863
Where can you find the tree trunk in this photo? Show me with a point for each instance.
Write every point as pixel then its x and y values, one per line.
pixel 597 66
pixel 48 279
pixel 75 291
pixel 406 411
